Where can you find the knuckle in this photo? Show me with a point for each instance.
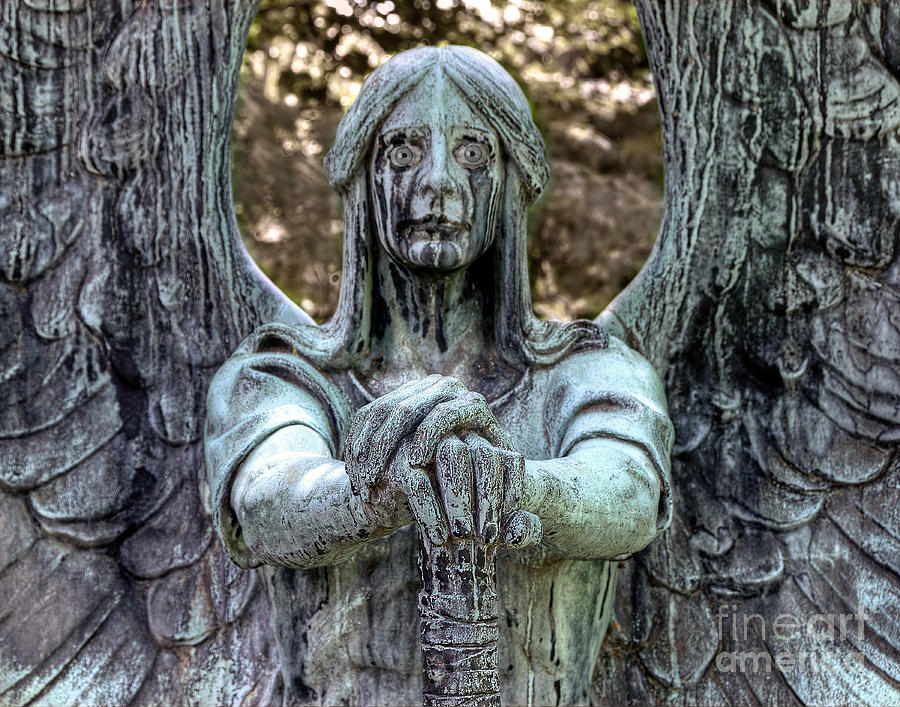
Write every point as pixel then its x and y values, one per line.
pixel 366 410
pixel 476 441
pixel 443 385
pixel 443 406
pixel 460 453
pixel 511 457
pixel 446 411
pixel 484 455
pixel 455 445
pixel 474 398
pixel 404 408
pixel 453 383
pixel 419 484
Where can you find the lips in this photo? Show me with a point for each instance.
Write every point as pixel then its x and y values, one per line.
pixel 433 230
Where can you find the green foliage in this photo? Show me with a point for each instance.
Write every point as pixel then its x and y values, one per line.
pixel 322 49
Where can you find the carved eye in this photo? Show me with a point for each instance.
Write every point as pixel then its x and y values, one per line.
pixel 472 154
pixel 404 155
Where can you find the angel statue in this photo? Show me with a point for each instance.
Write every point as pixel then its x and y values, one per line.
pixel 418 401
pixel 434 419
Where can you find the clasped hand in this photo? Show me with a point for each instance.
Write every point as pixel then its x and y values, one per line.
pixel 437 446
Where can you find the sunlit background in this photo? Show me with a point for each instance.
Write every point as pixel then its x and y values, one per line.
pixel 582 65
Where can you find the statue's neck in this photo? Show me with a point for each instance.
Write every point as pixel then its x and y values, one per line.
pixel 430 320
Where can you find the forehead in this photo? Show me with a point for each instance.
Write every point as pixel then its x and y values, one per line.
pixel 436 103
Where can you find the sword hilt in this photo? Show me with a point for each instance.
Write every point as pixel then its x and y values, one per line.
pixel 460 635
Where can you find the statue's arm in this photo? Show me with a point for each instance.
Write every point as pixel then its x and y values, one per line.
pixel 599 501
pixel 293 503
pixel 276 433
pixel 295 506
pixel 273 440
pixel 605 492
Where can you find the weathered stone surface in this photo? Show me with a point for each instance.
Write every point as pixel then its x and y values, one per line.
pixel 323 442
pixel 122 284
pixel 770 305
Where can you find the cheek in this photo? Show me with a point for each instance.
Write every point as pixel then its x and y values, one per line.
pixel 481 182
pixel 481 185
pixel 403 191
pixel 394 192
pixel 379 193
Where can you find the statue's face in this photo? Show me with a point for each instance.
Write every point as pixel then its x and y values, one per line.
pixel 436 176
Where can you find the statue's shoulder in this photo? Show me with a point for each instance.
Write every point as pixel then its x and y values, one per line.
pixel 612 367
pixel 592 360
pixel 277 345
pixel 275 338
pixel 273 363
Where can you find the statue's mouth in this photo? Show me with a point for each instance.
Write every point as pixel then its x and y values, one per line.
pixel 433 230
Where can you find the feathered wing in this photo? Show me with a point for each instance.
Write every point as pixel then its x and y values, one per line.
pixel 123 286
pixel 771 305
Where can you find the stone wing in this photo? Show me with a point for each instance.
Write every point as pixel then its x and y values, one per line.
pixel 771 306
pixel 123 285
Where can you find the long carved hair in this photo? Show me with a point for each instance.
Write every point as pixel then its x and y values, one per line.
pixel 521 338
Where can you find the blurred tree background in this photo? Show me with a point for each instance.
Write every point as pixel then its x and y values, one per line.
pixel 582 65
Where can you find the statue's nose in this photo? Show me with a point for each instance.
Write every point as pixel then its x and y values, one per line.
pixel 437 182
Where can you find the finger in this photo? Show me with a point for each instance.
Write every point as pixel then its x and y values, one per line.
pixel 351 448
pixel 404 415
pixel 454 475
pixel 369 417
pixel 469 411
pixel 410 388
pixel 355 473
pixel 367 420
pixel 522 529
pixel 513 466
pixel 355 457
pixel 488 487
pixel 424 506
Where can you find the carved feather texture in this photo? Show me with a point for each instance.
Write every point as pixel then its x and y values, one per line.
pixel 123 286
pixel 772 305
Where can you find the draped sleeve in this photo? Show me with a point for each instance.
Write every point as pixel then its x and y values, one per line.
pixel 613 393
pixel 263 387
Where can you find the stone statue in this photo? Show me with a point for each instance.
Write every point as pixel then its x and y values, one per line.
pixel 435 397
pixel 770 307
